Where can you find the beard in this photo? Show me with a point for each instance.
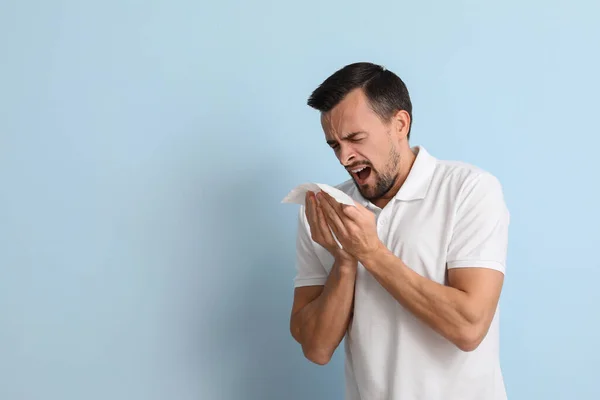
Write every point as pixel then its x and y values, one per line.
pixel 384 180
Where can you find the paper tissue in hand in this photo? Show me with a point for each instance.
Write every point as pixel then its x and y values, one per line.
pixel 298 194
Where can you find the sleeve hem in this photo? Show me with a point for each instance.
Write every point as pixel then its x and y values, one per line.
pixel 320 281
pixel 495 265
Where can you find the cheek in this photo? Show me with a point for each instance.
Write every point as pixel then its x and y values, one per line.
pixel 373 151
pixel 365 153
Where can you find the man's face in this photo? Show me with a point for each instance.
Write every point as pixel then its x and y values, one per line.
pixel 365 145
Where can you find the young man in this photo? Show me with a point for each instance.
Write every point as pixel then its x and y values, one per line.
pixel 414 278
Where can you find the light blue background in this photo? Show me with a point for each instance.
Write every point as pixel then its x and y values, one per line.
pixel 145 148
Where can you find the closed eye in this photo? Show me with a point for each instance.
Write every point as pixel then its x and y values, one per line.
pixel 354 137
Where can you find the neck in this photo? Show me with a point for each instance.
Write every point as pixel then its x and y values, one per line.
pixel 407 159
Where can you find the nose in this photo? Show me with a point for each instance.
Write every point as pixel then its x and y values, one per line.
pixel 346 155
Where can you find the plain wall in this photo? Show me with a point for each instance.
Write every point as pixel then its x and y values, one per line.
pixel 145 148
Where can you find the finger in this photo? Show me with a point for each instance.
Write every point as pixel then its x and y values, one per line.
pixel 333 218
pixel 307 205
pixel 325 228
pixel 334 204
pixel 320 230
pixel 351 212
pixel 356 212
pixel 340 210
pixel 344 212
pixel 311 206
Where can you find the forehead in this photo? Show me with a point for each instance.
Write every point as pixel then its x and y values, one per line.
pixel 352 114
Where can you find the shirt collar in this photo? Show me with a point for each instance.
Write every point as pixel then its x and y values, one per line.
pixel 419 178
pixel 417 182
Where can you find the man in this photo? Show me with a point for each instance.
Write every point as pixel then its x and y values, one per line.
pixel 414 278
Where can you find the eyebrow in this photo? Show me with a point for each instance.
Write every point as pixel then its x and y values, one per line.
pixel 347 137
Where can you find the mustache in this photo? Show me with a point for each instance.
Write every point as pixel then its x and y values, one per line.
pixel 359 164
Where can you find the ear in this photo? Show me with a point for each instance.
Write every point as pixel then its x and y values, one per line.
pixel 401 121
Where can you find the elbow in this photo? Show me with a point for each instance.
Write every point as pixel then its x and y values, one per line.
pixel 313 353
pixel 467 345
pixel 317 356
pixel 319 359
pixel 470 338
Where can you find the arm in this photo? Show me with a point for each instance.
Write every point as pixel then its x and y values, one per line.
pixel 322 303
pixel 320 314
pixel 461 312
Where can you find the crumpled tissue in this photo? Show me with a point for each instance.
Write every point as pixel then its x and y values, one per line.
pixel 298 194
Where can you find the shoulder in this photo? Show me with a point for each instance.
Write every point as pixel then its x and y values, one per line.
pixel 478 195
pixel 463 177
pixel 469 188
pixel 461 171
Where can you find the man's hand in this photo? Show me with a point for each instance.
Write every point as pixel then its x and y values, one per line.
pixel 321 233
pixel 354 226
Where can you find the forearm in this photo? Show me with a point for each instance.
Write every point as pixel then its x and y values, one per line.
pixel 321 325
pixel 447 310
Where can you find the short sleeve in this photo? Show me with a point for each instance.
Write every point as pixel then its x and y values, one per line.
pixel 309 269
pixel 480 231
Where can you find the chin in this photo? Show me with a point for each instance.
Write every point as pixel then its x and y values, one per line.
pixel 366 190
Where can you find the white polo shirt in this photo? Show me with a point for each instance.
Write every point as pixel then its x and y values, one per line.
pixel 446 215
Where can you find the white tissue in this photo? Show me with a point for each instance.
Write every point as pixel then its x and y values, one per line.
pixel 298 194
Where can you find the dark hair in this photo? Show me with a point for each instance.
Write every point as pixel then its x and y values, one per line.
pixel 386 92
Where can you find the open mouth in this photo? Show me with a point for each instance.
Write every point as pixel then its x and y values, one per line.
pixel 361 174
